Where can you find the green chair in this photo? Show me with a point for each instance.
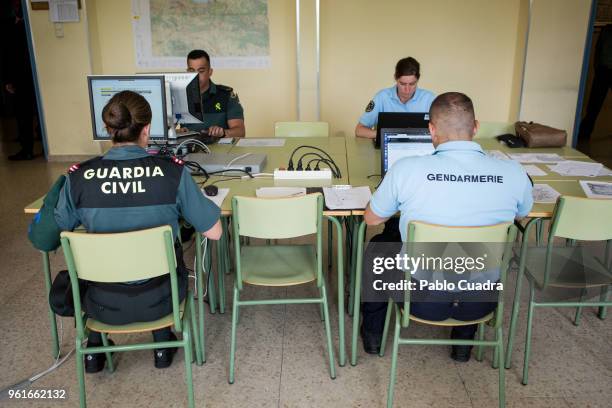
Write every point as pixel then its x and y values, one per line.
pixel 566 268
pixel 301 129
pixel 422 232
pixel 489 130
pixel 125 257
pixel 278 265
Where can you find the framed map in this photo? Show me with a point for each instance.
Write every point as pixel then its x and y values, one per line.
pixel 234 32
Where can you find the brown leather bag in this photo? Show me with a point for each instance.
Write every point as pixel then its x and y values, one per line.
pixel 538 135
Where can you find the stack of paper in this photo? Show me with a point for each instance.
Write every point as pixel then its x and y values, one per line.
pixel 543 193
pixel 346 198
pixel 261 142
pixel 536 157
pixel 279 192
pixel 577 168
pixel 597 189
pixel 534 170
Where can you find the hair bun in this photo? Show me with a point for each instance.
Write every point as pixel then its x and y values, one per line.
pixel 119 117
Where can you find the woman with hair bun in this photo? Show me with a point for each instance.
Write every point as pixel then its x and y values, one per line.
pixel 127 189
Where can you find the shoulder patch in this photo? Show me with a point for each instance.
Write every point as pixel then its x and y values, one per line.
pixel 178 161
pixel 74 167
pixel 370 106
pixel 225 88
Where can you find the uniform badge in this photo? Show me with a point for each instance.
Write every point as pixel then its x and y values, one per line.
pixel 177 161
pixel 73 168
pixel 370 106
pixel 218 106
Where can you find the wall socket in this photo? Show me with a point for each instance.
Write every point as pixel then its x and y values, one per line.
pixel 59 30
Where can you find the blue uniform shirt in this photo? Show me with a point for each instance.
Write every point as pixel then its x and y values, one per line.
pixel 386 100
pixel 128 190
pixel 458 185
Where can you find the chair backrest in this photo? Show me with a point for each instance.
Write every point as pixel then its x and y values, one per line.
pixel 504 233
pixel 301 129
pixel 120 257
pixel 585 219
pixel 277 218
pixel 489 130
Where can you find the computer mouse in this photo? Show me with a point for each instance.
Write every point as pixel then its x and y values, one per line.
pixel 211 190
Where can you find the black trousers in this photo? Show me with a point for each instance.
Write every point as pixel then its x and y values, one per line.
pixel 602 82
pixel 374 312
pixel 24 116
pixel 146 312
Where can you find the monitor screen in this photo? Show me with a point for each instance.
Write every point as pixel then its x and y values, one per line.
pixel 400 120
pixel 102 88
pixel 182 86
pixel 400 143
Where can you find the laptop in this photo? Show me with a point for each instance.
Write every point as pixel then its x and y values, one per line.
pixel 400 143
pixel 419 121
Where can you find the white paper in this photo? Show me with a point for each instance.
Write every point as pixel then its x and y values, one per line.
pixel 498 154
pixel 347 198
pixel 605 172
pixel 534 170
pixel 261 142
pixel 279 192
pixel 536 157
pixel 543 193
pixel 218 199
pixel 226 140
pixel 596 189
pixel 63 11
pixel 577 168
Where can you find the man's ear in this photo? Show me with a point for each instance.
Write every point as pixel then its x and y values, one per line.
pixel 476 127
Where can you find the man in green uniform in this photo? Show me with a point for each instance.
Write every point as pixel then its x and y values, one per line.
pixel 221 111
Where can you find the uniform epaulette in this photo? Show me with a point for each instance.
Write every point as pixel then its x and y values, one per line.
pixel 225 88
pixel 178 161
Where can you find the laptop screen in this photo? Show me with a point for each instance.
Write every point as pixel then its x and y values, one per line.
pixel 400 143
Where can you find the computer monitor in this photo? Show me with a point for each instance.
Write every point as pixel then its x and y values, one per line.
pixel 401 120
pixel 400 143
pixel 103 87
pixel 184 90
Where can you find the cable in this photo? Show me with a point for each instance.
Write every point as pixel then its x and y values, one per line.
pixel 226 170
pixel 374 175
pixel 204 273
pixel 290 163
pixel 235 159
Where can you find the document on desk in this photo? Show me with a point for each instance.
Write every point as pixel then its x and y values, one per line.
pixel 596 189
pixel 347 198
pixel 543 193
pixel 261 142
pixel 534 170
pixel 498 154
pixel 577 168
pixel 536 157
pixel 280 192
pixel 605 172
pixel 218 199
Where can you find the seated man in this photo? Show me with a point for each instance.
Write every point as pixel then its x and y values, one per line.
pixel 222 112
pixel 159 192
pixel 404 96
pixel 412 187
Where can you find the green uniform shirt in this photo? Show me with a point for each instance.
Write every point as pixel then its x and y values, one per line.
pixel 219 104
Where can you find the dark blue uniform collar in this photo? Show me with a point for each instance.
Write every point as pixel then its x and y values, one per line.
pixel 125 152
pixel 463 145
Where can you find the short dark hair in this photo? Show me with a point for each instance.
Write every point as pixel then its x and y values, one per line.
pixel 453 114
pixel 197 54
pixel 125 115
pixel 407 66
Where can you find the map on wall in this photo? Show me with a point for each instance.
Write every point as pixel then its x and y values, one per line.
pixel 233 32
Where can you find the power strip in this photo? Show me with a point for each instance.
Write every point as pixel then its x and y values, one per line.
pixel 302 174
